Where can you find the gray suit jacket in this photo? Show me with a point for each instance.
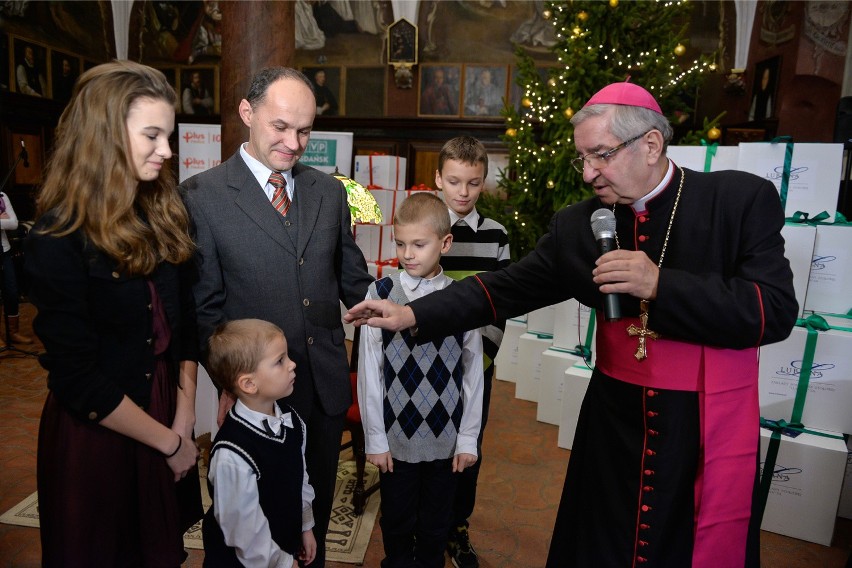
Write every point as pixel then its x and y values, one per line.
pixel 249 267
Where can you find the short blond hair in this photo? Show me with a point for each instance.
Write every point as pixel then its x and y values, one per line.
pixel 236 348
pixel 424 207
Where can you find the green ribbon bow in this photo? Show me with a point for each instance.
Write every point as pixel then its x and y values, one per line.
pixel 709 154
pixel 788 159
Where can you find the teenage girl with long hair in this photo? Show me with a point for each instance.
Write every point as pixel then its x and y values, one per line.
pixel 116 457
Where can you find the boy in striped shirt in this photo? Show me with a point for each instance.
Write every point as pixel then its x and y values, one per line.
pixel 479 244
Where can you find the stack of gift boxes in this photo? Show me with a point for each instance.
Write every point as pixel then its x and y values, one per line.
pixel 805 380
pixel 384 176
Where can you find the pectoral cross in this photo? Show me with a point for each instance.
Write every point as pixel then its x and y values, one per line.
pixel 642 332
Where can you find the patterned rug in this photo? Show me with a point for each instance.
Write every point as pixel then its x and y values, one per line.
pixel 348 535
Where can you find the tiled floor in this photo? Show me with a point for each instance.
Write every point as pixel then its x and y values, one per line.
pixel 520 484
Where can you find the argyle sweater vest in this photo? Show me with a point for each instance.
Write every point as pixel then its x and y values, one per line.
pixel 479 251
pixel 277 465
pixel 423 400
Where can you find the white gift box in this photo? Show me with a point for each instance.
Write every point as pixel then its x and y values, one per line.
pixel 805 489
pixel 814 173
pixel 506 361
pixel 574 386
pixel 554 363
pixel 381 269
pixel 375 241
pixel 845 508
pixel 389 201
pixel 829 397
pixel 387 172
pixel 799 250
pixel 831 271
pixel 530 348
pixel 571 325
pixel 542 320
pixel 695 157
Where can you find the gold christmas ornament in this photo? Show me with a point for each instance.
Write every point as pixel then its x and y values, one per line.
pixel 511 132
pixel 714 133
pixel 613 3
pixel 712 67
pixel 577 30
pixel 551 82
pixel 569 112
pixel 526 102
pixel 550 184
pixel 547 14
pixel 582 16
pixel 679 49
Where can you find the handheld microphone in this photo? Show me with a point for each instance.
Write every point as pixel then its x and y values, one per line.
pixel 24 156
pixel 603 227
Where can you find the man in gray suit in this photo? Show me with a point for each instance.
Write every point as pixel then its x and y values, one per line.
pixel 275 243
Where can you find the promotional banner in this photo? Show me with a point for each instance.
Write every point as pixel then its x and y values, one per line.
pixel 199 148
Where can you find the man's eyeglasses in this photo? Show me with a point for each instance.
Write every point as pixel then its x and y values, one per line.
pixel 599 160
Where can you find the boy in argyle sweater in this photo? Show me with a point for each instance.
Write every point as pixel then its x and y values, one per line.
pixel 421 403
pixel 480 244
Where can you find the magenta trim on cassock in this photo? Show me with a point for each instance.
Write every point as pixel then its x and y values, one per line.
pixel 726 382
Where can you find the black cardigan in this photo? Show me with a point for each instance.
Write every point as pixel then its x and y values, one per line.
pixel 96 324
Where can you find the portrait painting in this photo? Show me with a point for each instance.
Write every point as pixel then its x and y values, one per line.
pixel 327 82
pixel 198 91
pixel 485 90
pixel 439 90
pixel 5 77
pixel 64 70
pixel 365 91
pixel 402 42
pixel 764 90
pixel 30 68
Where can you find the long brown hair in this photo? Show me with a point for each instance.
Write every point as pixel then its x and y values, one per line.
pixel 91 168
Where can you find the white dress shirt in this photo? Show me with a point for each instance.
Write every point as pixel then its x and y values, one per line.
pixel 237 500
pixel 471 219
pixel 371 385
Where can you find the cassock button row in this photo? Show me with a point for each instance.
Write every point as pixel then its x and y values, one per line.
pixel 651 413
pixel 653 432
pixel 651 392
pixel 648 472
pixel 643 238
pixel 647 489
pixel 643 543
pixel 642 218
pixel 644 526
pixel 650 452
pixel 641 559
pixel 645 508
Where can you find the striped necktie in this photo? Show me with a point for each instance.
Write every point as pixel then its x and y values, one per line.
pixel 280 199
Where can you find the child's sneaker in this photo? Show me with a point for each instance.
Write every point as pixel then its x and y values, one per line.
pixel 460 550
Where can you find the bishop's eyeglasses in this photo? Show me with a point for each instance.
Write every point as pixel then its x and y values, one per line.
pixel 599 160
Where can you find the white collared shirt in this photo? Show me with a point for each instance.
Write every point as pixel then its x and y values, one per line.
pixel 261 174
pixel 639 205
pixel 471 219
pixel 371 389
pixel 237 499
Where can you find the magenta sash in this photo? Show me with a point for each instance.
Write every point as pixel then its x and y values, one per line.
pixel 726 382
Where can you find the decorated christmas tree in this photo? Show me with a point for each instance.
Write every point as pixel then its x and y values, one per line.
pixel 597 43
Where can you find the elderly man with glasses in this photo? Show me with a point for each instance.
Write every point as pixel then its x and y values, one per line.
pixel 665 458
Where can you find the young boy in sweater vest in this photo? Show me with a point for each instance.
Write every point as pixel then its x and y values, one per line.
pixel 421 403
pixel 480 244
pixel 261 513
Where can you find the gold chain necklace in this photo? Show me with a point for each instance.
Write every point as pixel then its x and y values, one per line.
pixel 643 333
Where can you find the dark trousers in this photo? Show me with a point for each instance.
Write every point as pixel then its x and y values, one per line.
pixel 322 451
pixel 9 286
pixel 417 505
pixel 466 489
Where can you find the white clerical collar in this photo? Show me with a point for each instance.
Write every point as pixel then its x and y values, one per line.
pixel 261 173
pixel 639 205
pixel 471 219
pixel 411 283
pixel 258 418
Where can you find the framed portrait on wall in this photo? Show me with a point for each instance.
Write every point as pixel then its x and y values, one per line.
pixel 199 91
pixel 5 76
pixel 485 90
pixel 64 70
pixel 327 86
pixel 365 91
pixel 764 90
pixel 440 92
pixel 402 42
pixel 30 63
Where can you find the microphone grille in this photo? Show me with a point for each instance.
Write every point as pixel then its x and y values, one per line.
pixel 603 223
